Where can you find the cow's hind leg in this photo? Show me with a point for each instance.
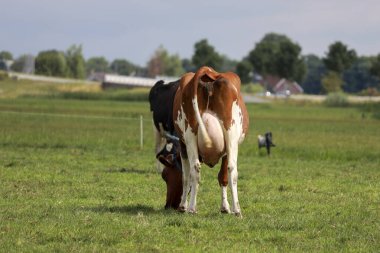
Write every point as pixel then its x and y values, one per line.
pixel 232 140
pixel 223 182
pixel 232 154
pixel 195 174
pixel 195 170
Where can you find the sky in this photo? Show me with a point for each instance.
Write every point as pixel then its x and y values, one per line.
pixel 134 29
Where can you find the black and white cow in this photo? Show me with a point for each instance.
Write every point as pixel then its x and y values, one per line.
pixel 161 98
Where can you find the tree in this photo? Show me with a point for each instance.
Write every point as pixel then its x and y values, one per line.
pixel 358 77
pixel 51 63
pixel 155 65
pixel 97 64
pixel 188 66
pixel 228 64
pixel 19 64
pixel 277 55
pixel 339 58
pixel 123 67
pixel 75 62
pixel 375 67
pixel 315 71
pixel 162 63
pixel 205 55
pixel 5 55
pixel 173 66
pixel 244 70
pixel 332 82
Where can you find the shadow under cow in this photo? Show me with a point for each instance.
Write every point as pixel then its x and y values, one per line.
pixel 132 209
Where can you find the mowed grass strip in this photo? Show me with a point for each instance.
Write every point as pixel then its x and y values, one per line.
pixel 83 183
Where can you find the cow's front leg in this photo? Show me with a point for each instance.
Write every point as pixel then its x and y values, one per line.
pixel 223 182
pixel 185 183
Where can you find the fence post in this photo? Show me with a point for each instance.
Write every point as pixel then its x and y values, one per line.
pixel 141 132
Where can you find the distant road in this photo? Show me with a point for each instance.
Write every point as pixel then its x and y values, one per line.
pixel 254 99
pixel 312 98
pixel 321 98
pixel 47 78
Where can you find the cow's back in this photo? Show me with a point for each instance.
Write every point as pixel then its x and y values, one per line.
pixel 161 98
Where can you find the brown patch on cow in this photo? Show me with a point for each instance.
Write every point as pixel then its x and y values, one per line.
pixel 178 103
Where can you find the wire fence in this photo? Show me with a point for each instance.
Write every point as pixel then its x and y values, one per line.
pixel 138 129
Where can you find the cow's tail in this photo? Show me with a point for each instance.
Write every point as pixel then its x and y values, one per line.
pixel 202 128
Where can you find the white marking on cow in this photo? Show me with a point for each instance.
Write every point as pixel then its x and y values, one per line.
pixel 233 137
pixel 225 207
pixel 193 166
pixel 190 166
pixel 237 118
pixel 181 120
pixel 169 147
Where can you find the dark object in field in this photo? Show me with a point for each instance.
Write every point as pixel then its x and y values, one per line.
pixel 266 141
pixel 172 173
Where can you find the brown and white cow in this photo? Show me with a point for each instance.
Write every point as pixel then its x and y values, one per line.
pixel 211 119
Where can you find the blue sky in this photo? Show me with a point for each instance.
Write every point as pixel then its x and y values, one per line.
pixel 134 29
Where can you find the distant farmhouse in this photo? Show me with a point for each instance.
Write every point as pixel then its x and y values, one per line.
pixel 281 86
pixel 24 64
pixel 110 81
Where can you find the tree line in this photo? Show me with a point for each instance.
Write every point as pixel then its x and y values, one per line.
pixel 340 69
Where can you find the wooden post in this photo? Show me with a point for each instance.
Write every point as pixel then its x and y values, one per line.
pixel 141 132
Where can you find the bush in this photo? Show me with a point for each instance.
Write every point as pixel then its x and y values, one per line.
pixel 370 91
pixel 252 88
pixel 376 115
pixel 3 75
pixel 336 99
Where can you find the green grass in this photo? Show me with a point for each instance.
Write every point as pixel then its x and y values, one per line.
pixel 74 179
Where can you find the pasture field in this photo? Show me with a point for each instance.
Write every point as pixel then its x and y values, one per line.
pixel 74 179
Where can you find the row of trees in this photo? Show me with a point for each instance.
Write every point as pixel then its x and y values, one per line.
pixel 277 55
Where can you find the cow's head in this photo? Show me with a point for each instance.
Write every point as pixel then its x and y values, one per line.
pixel 169 155
pixel 172 173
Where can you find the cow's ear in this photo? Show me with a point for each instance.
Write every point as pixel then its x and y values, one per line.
pixel 166 160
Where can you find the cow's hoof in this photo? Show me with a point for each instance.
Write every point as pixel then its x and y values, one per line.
pixel 239 215
pixel 225 210
pixel 181 209
pixel 192 211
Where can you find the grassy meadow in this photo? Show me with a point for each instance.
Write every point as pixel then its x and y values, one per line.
pixel 73 178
